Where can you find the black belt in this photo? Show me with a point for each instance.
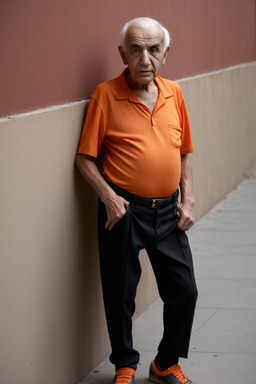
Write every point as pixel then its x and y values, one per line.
pixel 135 199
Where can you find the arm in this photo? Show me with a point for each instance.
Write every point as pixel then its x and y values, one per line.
pixel 115 205
pixel 185 208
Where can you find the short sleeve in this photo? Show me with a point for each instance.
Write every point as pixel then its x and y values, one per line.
pixel 93 132
pixel 186 137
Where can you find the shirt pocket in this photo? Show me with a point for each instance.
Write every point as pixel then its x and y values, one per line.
pixel 175 132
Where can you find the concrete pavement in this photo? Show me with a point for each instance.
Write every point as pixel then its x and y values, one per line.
pixel 223 344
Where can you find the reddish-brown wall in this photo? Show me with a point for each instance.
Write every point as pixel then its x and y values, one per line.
pixel 56 51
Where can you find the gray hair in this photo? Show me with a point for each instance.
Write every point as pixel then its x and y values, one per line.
pixel 146 22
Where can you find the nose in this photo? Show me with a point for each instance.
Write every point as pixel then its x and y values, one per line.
pixel 144 59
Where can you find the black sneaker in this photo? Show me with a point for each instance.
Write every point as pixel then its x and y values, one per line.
pixel 124 376
pixel 172 375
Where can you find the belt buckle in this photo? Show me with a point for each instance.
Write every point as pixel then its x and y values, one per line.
pixel 153 205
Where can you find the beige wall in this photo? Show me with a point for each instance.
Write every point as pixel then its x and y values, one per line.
pixel 222 113
pixel 52 322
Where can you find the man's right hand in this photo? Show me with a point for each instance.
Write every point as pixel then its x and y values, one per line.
pixel 116 208
pixel 116 205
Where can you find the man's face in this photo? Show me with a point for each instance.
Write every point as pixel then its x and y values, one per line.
pixel 144 53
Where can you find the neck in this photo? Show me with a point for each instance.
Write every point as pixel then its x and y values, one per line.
pixel 134 86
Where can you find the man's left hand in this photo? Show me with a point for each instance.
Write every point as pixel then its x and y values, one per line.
pixel 185 212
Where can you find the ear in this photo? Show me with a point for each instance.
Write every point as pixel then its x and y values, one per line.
pixel 166 54
pixel 122 54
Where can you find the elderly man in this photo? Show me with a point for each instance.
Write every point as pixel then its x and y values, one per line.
pixel 142 121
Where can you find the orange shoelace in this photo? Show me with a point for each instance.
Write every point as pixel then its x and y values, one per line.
pixel 174 369
pixel 123 375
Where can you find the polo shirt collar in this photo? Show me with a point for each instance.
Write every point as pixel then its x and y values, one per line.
pixel 125 93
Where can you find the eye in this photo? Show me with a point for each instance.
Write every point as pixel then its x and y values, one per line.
pixel 135 51
pixel 154 50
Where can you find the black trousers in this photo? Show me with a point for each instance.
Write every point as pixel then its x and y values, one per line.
pixel 150 225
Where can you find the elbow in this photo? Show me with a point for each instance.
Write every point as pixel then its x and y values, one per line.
pixel 77 160
pixel 82 161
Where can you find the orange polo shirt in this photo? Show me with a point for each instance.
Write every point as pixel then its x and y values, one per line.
pixel 142 149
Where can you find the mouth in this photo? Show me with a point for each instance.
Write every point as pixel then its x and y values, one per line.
pixel 145 72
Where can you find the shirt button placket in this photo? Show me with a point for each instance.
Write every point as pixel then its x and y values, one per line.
pixel 153 122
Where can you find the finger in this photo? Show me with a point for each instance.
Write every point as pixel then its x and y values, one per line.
pixel 181 226
pixel 113 220
pixel 185 225
pixel 107 224
pixel 190 224
pixel 111 226
pixel 182 220
pixel 111 223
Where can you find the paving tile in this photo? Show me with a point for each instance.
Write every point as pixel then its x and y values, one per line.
pixel 227 331
pixel 217 293
pixel 148 328
pixel 231 266
pixel 216 368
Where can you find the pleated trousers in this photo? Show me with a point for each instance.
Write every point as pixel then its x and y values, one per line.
pixel 152 226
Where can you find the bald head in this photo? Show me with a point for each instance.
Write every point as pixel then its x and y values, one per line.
pixel 146 23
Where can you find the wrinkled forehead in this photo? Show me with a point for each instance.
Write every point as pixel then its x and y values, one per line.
pixel 142 35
